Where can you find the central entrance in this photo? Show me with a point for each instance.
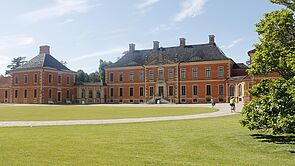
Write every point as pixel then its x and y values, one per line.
pixel 161 91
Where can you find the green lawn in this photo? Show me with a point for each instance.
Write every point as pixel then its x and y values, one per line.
pixel 212 141
pixel 42 113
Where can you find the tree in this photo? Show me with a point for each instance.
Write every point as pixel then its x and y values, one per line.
pixel 81 77
pixel 15 63
pixel 289 3
pixel 94 77
pixel 273 105
pixel 101 70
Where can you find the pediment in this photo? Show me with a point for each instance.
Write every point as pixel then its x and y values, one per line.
pixel 158 59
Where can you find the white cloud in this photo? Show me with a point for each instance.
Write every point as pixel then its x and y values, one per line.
pixel 67 21
pixel 231 45
pixel 190 8
pixel 15 41
pixel 147 3
pixel 58 9
pixel 118 50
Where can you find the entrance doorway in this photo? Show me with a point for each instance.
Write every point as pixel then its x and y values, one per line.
pixel 161 91
pixel 59 96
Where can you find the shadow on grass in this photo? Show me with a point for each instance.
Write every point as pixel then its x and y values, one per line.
pixel 277 139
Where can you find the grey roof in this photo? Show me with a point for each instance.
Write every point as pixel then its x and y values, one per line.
pixel 239 78
pixel 43 61
pixel 242 65
pixel 200 52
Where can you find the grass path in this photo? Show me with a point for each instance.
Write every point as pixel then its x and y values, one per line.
pixel 211 141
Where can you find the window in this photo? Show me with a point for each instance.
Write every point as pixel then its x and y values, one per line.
pixel 90 94
pixel 208 72
pixel 25 79
pixel 221 89
pixel 170 74
pixel 120 92
pixel 195 73
pixel 240 90
pixel 68 80
pixel 49 94
pixel 120 77
pixel 16 79
pixel 151 75
pixel 195 90
pixel 112 92
pixel 35 93
pixel 35 78
pixel 15 93
pixel 141 75
pixel 49 78
pixel 131 92
pixel 161 74
pixel 141 91
pixel 220 71
pixel 183 90
pixel 171 90
pixel 183 73
pixel 6 94
pixel 59 79
pixel 131 76
pixel 151 91
pixel 68 94
pixel 231 90
pixel 208 90
pixel 25 94
pixel 83 93
pixel 111 77
pixel 97 94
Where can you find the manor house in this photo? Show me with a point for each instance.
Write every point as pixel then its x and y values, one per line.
pixel 180 74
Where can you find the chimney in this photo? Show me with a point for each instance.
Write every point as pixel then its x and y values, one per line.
pixel 211 39
pixel 156 45
pixel 131 47
pixel 44 49
pixel 181 42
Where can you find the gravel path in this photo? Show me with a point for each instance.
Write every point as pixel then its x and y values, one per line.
pixel 224 110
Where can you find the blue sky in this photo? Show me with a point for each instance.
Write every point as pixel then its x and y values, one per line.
pixel 83 31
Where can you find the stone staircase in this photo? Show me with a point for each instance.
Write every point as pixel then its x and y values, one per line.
pixel 158 100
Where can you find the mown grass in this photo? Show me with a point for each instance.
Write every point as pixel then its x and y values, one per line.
pixel 212 141
pixel 42 113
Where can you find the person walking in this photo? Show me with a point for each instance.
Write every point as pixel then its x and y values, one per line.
pixel 212 102
pixel 232 104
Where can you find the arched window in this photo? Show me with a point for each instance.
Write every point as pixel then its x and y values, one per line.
pixel 90 95
pixel 97 94
pixel 231 90
pixel 83 93
pixel 240 90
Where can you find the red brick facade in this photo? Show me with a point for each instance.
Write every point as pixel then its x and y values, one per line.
pixel 182 74
pixel 5 89
pixel 177 83
pixel 43 86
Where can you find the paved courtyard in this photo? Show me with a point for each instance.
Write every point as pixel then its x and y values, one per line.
pixel 224 110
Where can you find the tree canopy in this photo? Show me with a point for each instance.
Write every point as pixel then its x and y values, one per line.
pixel 101 70
pixel 272 107
pixel 97 76
pixel 15 63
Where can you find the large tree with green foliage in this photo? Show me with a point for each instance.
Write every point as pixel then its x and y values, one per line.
pixel 16 62
pixel 273 105
pixel 101 70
